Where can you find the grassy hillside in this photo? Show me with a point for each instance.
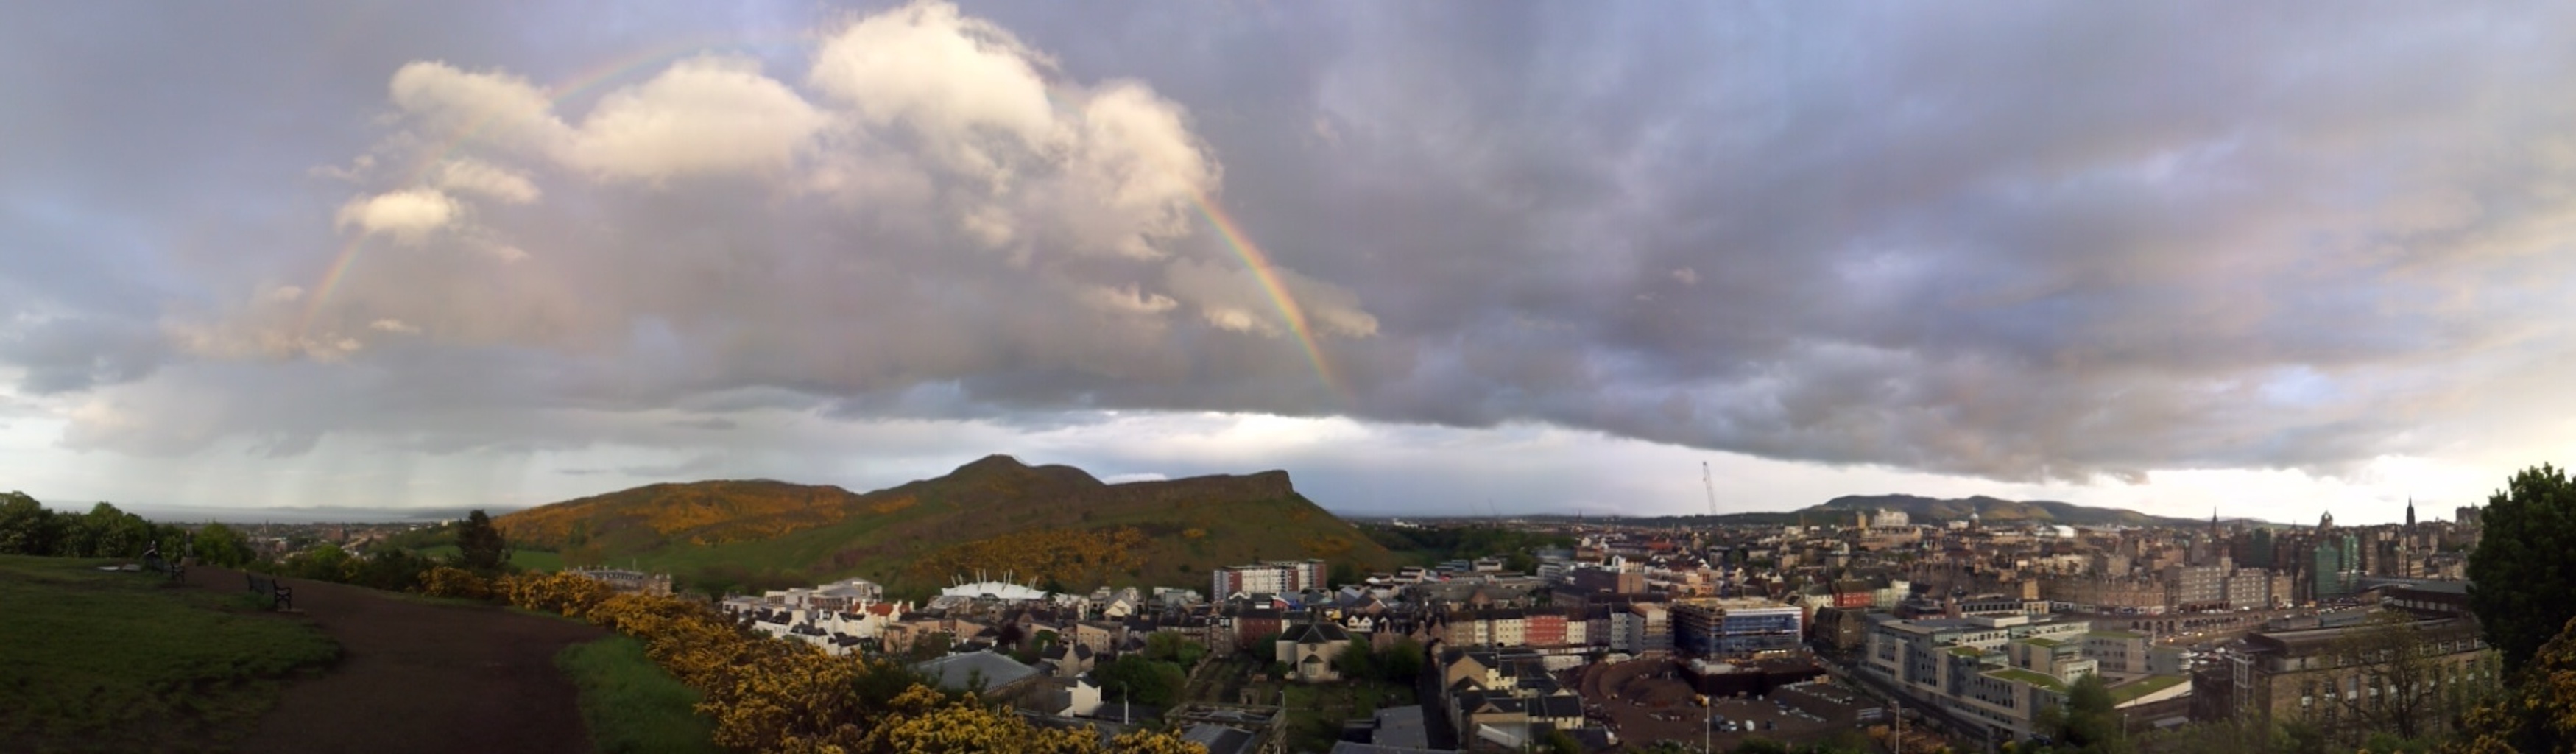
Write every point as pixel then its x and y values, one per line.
pixel 993 515
pixel 114 661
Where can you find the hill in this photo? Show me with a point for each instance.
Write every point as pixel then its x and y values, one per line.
pixel 995 515
pixel 1925 510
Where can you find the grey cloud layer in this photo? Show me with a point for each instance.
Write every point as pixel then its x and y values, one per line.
pixel 1992 240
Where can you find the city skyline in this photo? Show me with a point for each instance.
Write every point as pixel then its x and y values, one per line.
pixel 1449 259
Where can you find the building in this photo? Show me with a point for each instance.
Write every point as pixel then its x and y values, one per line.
pixel 1313 651
pixel 2196 587
pixel 632 582
pixel 1998 671
pixel 2299 675
pixel 1641 627
pixel 2334 564
pixel 1737 627
pixel 1276 577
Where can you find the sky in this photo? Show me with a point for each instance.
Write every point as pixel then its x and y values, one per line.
pixel 1430 258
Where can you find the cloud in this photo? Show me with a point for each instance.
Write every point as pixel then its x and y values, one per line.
pixel 961 83
pixel 487 180
pixel 77 354
pixel 494 108
pixel 408 215
pixel 706 114
pixel 2145 241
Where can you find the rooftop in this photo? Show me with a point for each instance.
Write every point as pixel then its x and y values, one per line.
pixel 2042 680
pixel 2151 684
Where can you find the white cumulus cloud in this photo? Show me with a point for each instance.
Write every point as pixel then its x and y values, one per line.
pixel 408 215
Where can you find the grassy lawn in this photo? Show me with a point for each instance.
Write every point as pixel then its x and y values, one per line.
pixel 631 704
pixel 111 661
pixel 526 560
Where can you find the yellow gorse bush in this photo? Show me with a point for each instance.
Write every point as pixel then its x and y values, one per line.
pixel 444 581
pixel 773 695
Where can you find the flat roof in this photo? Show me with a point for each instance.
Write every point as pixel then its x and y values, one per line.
pixel 2144 686
pixel 2042 680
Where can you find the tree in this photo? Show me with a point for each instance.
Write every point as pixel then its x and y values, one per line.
pixel 1402 661
pixel 1558 742
pixel 1356 661
pixel 105 532
pixel 1143 681
pixel 1172 647
pixel 2521 584
pixel 479 545
pixel 2397 678
pixel 2088 721
pixel 225 546
pixel 2538 712
pixel 930 646
pixel 325 562
pixel 28 527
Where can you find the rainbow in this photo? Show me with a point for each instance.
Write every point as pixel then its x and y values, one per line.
pixel 1267 275
pixel 1231 233
pixel 597 76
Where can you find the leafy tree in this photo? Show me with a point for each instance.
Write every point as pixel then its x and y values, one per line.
pixel 2538 712
pixel 1559 743
pixel 2088 721
pixel 2522 583
pixel 1172 647
pixel 930 646
pixel 2222 735
pixel 1402 662
pixel 29 528
pixel 390 569
pixel 1759 745
pixel 1356 661
pixel 2388 655
pixel 325 562
pixel 105 532
pixel 225 546
pixel 479 544
pixel 1134 678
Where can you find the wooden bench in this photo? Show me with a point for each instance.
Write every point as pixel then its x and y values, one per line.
pixel 153 562
pixel 280 596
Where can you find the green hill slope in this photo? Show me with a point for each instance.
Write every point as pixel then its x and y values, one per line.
pixel 1041 523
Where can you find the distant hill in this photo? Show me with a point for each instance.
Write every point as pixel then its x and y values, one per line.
pixel 995 515
pixel 1925 510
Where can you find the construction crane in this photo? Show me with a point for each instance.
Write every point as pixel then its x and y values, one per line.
pixel 1711 483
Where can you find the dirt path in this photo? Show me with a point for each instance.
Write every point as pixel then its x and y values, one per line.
pixel 426 678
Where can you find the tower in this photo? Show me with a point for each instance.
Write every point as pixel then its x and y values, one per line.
pixel 2410 513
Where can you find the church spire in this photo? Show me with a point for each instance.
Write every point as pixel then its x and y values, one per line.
pixel 2410 512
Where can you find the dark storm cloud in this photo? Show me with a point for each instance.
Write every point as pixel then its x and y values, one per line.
pixel 2001 240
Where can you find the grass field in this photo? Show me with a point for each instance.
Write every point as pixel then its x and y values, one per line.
pixel 114 661
pixel 631 704
pixel 526 560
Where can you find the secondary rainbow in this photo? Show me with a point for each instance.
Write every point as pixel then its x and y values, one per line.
pixel 1268 276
